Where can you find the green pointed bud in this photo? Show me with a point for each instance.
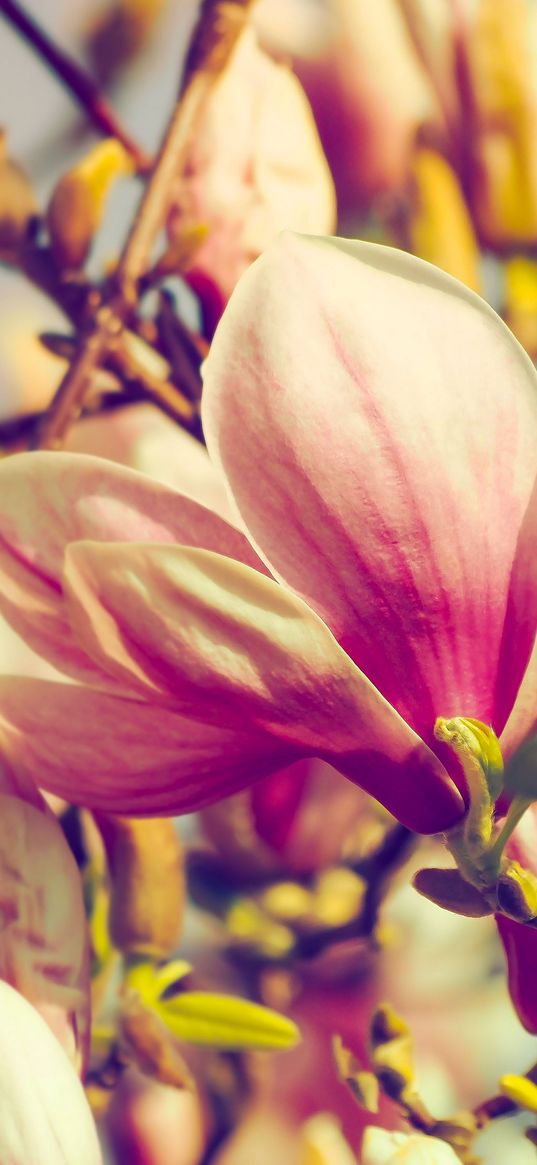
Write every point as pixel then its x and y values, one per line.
pixel 224 1021
pixel 448 889
pixel 363 1085
pixel 520 1090
pixel 386 1025
pixel 472 738
pixel 517 893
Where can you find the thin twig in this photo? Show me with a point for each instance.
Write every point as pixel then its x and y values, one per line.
pixel 214 38
pixel 80 84
pixel 213 41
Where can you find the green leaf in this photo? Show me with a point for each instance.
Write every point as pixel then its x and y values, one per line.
pixel 448 889
pixel 225 1021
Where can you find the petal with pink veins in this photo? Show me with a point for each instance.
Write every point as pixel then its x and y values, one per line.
pixel 222 643
pixel 126 756
pixel 47 501
pixel 386 466
pixel 44 1114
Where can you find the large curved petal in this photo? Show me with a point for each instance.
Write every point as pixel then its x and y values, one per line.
pixel 48 500
pixel 43 937
pixel 44 1114
pixel 125 756
pixel 225 644
pixel 386 465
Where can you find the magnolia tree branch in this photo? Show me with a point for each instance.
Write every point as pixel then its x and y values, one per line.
pixel 80 84
pixel 213 40
pixel 215 35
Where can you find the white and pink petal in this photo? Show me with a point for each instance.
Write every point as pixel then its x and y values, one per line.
pixel 387 465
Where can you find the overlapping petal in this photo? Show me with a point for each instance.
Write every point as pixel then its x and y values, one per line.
pixel 123 755
pixel 49 502
pixel 401 503
pixel 44 1115
pixel 221 642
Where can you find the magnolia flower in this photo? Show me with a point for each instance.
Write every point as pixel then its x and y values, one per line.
pixel 254 167
pixel 44 1115
pixel 387 491
pixel 382 1148
pixel 370 90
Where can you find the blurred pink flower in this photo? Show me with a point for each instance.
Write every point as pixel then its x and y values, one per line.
pixel 296 820
pixel 152 1124
pixel 44 1115
pixel 44 945
pixel 372 89
pixel 377 425
pixel 255 167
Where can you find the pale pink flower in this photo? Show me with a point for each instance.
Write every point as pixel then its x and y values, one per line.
pixel 255 167
pixel 370 87
pixel 377 426
pixel 44 1114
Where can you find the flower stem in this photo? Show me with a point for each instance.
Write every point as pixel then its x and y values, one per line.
pixel 80 84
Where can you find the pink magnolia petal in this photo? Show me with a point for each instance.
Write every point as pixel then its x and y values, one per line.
pixel 44 1115
pixel 142 437
pixel 520 946
pixel 43 940
pixel 226 644
pixel 401 503
pixel 48 500
pixel 124 756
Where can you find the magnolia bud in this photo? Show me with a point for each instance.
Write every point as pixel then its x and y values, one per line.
pixel 77 205
pixel 147 898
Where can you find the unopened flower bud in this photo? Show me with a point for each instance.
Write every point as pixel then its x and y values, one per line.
pixel 147 899
pixel 78 201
